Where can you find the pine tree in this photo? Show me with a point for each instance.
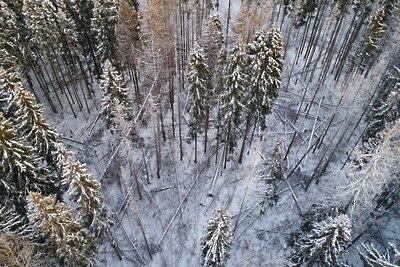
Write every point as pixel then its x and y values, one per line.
pixel 198 85
pixel 114 93
pixel 325 244
pixel 236 80
pixel 386 106
pixel 373 258
pixel 29 116
pixel 20 167
pixel 105 19
pixel 371 40
pixel 53 220
pixel 84 189
pixel 217 241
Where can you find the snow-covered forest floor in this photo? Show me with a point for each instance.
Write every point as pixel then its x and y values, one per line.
pixel 159 221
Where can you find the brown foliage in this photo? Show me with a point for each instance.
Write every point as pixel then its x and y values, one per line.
pixel 16 251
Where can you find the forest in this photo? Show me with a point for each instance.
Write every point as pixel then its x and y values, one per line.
pixel 200 133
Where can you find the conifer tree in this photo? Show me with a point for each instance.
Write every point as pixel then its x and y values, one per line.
pixel 371 40
pixel 12 222
pixel 236 80
pixel 20 167
pixel 386 106
pixel 198 79
pixel 325 244
pixel 105 19
pixel 129 35
pixel 8 37
pixel 214 54
pixel 29 116
pixel 114 93
pixel 53 220
pixel 276 170
pixel 81 12
pixel 373 258
pixel 217 241
pixel 306 9
pixel 273 174
pixel 266 59
pixel 84 189
pixel 265 72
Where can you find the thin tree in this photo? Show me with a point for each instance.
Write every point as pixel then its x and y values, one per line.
pixel 236 81
pixel 115 93
pixel 198 85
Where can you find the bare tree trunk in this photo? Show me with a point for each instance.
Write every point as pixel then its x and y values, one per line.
pixel 246 132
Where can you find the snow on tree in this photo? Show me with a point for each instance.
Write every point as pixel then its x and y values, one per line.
pixel 307 8
pixel 84 189
pixel 236 80
pixel 214 40
pixel 20 167
pixel 266 62
pixel 375 166
pixel 104 24
pixel 373 258
pixel 272 175
pixel 198 80
pixel 217 241
pixel 12 222
pixel 29 115
pixel 81 12
pixel 69 241
pixel 114 92
pixel 8 37
pixel 371 40
pixel 325 244
pixel 386 106
pixel 288 6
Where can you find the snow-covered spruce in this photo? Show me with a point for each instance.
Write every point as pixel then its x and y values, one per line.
pixel 12 222
pixel 68 240
pixel 373 258
pixel 371 40
pixel 217 241
pixel 272 175
pixel 325 244
pixel 105 19
pixel 20 166
pixel 84 189
pixel 199 76
pixel 115 93
pixel 265 71
pixel 386 106
pixel 28 115
pixel 236 80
